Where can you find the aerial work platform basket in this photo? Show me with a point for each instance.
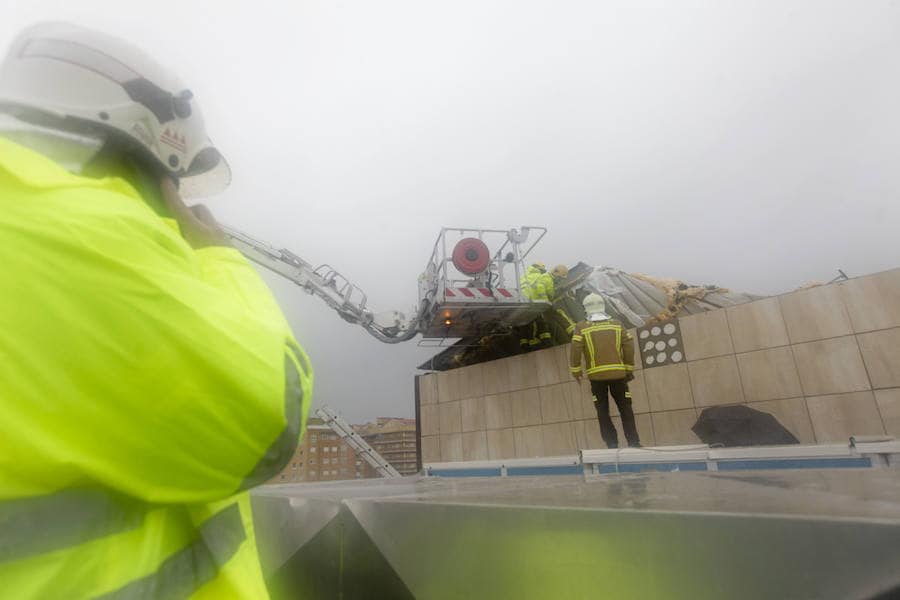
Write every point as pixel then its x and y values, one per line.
pixel 472 282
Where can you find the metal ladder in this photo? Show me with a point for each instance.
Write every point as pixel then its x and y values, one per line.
pixel 355 441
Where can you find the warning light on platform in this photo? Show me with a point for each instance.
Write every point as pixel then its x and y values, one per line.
pixel 448 322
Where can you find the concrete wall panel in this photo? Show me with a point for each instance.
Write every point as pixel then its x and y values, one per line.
pixel 501 444
pixel 474 445
pixel 496 376
pixel 450 418
pixel 428 393
pixel 881 355
pixel 575 402
pixel 831 366
pixel 554 408
pixel 451 447
pixel 443 385
pixel 889 406
pixel 522 372
pixel 815 314
pixel 562 356
pixel 769 375
pixel 431 449
pixel 470 381
pixel 873 301
pixel 668 388
pixel 674 427
pixel 715 381
pixel 498 411
pixel 837 417
pixel 546 367
pixel 587 435
pixel 529 442
pixel 705 335
pixel 472 414
pixel 559 439
pixel 526 407
pixel 757 325
pixel 429 414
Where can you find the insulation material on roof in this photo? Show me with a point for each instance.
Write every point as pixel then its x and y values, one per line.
pixel 639 299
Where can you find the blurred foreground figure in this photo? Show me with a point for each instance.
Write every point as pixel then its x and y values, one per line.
pixel 608 354
pixel 148 378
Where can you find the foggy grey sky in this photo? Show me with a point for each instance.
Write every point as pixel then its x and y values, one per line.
pixel 755 145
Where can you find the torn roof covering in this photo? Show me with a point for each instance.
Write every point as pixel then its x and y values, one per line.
pixel 637 299
pixel 632 298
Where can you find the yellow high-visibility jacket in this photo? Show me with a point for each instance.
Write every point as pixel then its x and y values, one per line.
pixel 144 386
pixel 607 348
pixel 537 285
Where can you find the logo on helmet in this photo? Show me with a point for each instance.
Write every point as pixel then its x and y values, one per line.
pixel 173 139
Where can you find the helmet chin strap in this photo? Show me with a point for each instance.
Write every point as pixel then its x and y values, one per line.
pixel 70 150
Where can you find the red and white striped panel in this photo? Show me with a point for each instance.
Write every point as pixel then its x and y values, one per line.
pixel 476 293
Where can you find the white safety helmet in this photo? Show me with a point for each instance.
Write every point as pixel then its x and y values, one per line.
pixel 594 304
pixel 66 76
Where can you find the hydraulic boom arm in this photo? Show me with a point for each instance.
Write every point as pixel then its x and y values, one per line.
pixel 341 295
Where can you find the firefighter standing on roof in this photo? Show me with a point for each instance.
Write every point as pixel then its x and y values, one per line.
pixel 608 353
pixel 149 378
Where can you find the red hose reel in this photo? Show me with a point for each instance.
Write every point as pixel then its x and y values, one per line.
pixel 471 256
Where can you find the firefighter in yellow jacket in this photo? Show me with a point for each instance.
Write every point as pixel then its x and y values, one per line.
pixel 536 285
pixel 608 353
pixel 148 378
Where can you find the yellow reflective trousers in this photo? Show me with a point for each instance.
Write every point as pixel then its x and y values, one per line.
pixel 144 387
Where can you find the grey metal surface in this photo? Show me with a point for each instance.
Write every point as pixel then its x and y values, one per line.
pixel 807 534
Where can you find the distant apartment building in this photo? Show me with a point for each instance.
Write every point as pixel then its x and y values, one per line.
pixel 395 440
pixel 321 456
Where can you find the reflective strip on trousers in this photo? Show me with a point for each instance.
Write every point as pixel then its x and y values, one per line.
pixel 194 565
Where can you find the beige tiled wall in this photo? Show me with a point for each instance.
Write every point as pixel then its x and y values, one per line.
pixel 889 407
pixel 838 416
pixel 824 361
pixel 715 381
pixel 769 374
pixel 757 325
